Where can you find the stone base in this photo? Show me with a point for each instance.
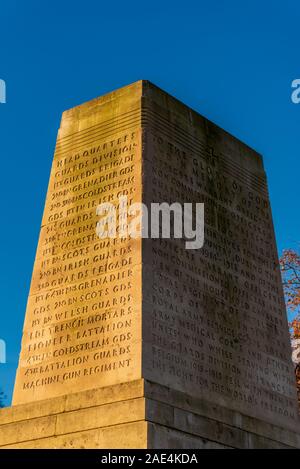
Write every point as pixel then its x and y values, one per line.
pixel 137 414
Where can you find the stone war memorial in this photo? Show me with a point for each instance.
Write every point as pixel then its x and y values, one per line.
pixel 135 342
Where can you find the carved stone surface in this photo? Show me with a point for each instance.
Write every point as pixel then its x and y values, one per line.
pixel 83 321
pixel 207 326
pixel 214 320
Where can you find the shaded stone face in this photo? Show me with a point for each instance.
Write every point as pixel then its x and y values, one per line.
pixel 209 323
pixel 214 321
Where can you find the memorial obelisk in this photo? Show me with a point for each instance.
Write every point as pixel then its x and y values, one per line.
pixel 140 342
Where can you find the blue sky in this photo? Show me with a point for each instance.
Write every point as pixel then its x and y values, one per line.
pixel 231 61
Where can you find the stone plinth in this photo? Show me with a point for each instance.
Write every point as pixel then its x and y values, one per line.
pixel 138 414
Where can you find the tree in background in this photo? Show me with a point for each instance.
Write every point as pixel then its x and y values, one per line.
pixel 2 399
pixel 290 268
